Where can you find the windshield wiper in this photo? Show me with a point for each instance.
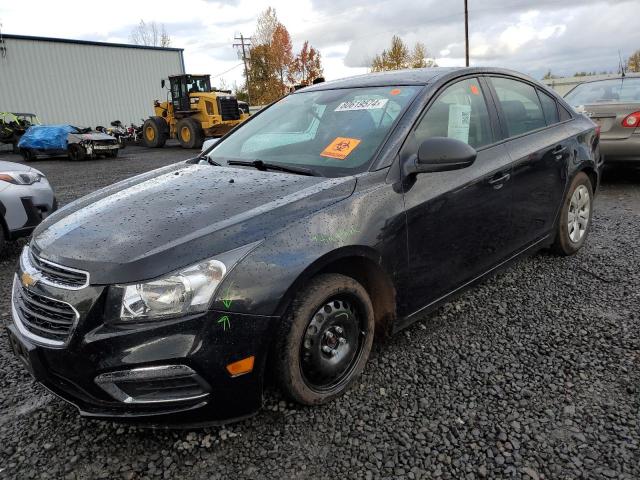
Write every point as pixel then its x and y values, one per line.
pixel 263 166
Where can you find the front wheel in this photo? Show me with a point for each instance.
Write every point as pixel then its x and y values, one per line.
pixel 76 152
pixel 575 217
pixel 324 340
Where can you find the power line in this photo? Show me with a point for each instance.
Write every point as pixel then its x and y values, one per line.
pixel 226 71
pixel 244 42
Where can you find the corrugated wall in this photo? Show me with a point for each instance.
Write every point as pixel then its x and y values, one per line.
pixel 81 84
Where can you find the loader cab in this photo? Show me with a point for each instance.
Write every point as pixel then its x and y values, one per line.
pixel 182 86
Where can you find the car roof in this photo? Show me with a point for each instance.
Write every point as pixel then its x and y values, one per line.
pixel 617 77
pixel 414 76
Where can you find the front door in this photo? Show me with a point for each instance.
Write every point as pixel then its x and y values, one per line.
pixel 459 221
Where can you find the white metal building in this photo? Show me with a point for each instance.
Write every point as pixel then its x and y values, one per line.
pixel 83 83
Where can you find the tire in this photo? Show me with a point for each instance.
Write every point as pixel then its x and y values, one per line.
pixel 573 229
pixel 154 132
pixel 14 145
pixel 331 317
pixel 2 239
pixel 189 133
pixel 76 152
pixel 27 154
pixel 113 153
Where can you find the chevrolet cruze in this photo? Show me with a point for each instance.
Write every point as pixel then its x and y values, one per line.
pixel 344 211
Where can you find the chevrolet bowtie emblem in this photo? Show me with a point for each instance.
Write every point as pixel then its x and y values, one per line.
pixel 27 280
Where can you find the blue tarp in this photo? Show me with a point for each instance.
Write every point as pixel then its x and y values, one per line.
pixel 46 137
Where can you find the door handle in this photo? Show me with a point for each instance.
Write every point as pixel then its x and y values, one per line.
pixel 499 180
pixel 559 151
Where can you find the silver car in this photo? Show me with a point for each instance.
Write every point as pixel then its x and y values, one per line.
pixel 26 198
pixel 614 105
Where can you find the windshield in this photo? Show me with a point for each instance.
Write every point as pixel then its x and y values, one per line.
pixel 333 132
pixel 615 90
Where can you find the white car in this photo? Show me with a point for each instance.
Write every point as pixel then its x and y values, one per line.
pixel 208 143
pixel 26 198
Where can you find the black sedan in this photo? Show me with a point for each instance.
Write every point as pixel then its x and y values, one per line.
pixel 343 211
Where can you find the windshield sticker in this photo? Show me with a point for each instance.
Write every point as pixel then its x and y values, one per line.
pixel 459 122
pixel 395 91
pixel 369 104
pixel 475 90
pixel 340 148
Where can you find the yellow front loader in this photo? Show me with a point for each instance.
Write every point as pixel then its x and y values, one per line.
pixel 192 112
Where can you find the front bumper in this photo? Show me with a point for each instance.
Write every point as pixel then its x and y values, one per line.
pixel 25 206
pixel 622 150
pixel 197 344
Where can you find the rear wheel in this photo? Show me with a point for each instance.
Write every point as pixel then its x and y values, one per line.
pixel 76 152
pixel 324 341
pixel 575 217
pixel 189 133
pixel 154 132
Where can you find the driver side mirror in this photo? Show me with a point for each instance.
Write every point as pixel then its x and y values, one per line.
pixel 441 154
pixel 162 83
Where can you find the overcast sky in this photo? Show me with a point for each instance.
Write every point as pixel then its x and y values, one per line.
pixel 531 36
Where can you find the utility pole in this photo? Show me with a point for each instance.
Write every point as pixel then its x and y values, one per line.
pixel 466 32
pixel 244 42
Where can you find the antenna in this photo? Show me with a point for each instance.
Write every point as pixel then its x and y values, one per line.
pixel 621 64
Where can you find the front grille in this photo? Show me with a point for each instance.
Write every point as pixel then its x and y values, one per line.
pixel 228 107
pixel 57 275
pixel 43 317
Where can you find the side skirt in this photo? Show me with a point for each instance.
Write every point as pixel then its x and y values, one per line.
pixel 404 322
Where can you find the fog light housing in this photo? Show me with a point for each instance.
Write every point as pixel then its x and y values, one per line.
pixel 161 384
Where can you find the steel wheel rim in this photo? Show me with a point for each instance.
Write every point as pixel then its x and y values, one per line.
pixel 150 133
pixel 186 134
pixel 578 214
pixel 332 345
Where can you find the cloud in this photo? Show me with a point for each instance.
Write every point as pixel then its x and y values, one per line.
pixel 564 36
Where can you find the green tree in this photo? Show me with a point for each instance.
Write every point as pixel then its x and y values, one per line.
pixel 398 57
pixel 633 63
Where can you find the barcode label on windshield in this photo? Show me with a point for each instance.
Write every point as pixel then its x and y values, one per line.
pixel 370 104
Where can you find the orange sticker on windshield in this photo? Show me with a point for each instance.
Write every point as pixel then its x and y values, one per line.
pixel 475 90
pixel 340 148
pixel 395 91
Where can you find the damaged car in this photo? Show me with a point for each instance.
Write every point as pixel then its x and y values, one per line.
pixel 344 211
pixel 75 142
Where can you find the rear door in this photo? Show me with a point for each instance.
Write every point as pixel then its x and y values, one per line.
pixel 457 221
pixel 539 149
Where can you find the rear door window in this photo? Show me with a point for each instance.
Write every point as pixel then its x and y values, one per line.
pixel 549 108
pixel 521 108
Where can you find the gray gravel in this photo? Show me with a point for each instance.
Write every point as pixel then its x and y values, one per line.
pixel 534 374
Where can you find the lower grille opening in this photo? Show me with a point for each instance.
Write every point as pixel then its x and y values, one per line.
pixel 162 384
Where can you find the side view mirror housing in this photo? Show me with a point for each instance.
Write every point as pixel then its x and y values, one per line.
pixel 162 83
pixel 441 154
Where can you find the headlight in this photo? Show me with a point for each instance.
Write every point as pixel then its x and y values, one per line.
pixel 21 178
pixel 187 291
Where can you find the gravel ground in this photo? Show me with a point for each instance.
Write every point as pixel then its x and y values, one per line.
pixel 533 374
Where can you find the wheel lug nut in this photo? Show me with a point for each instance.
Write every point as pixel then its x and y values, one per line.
pixel 327 349
pixel 334 352
pixel 329 334
pixel 339 330
pixel 342 340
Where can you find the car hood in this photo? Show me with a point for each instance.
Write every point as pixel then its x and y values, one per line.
pixel 163 220
pixel 14 167
pixel 90 136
